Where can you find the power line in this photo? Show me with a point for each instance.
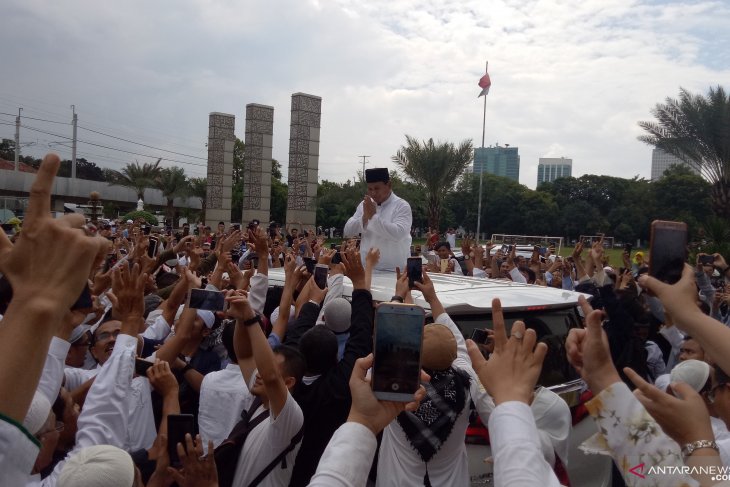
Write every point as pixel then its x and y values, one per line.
pixel 32 118
pixel 143 145
pixel 110 148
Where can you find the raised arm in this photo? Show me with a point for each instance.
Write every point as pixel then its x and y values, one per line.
pixel 353 227
pixel 247 324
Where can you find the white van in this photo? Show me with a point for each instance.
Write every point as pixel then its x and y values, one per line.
pixel 550 312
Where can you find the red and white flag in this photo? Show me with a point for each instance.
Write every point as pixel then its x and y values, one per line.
pixel 484 84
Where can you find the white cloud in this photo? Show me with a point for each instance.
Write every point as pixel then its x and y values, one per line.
pixel 569 76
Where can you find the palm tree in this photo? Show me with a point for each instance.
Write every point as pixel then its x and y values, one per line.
pixel 135 176
pixel 435 168
pixel 199 189
pixel 174 184
pixel 697 130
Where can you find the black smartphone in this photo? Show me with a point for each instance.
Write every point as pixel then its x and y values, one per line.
pixel 320 275
pixel 235 226
pixel 414 268
pixel 398 339
pixel 206 299
pixel 310 263
pixel 84 301
pixel 178 425
pixel 152 247
pixel 146 229
pixel 667 250
pixel 141 366
pixel 337 258
pixel 334 247
pixel 707 259
pixel 480 336
pixel 111 259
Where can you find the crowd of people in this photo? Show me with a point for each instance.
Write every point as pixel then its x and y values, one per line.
pixel 103 353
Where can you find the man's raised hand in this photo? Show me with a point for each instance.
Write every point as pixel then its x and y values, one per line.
pixel 52 259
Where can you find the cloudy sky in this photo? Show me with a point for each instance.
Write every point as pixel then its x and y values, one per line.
pixel 569 77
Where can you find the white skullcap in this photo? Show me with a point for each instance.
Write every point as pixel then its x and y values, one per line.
pixel 37 414
pixel 337 315
pixel 693 372
pixel 207 316
pixel 98 466
pixel 78 332
pixel 275 314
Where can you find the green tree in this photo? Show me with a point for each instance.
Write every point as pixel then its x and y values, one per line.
pixel 696 129
pixel 199 189
pixel 7 149
pixel 239 158
pixel 174 184
pixel 137 176
pixel 435 168
pixel 681 194
pixel 279 194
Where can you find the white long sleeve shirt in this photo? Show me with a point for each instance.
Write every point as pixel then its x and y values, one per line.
pixel 103 419
pixel 388 230
pixel 52 376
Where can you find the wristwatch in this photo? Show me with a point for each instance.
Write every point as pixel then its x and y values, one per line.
pixel 689 448
pixel 397 298
pixel 252 321
pixel 466 257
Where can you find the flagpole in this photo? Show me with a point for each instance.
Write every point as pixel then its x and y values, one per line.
pixel 481 172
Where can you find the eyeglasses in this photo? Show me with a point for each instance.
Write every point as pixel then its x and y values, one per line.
pixel 106 335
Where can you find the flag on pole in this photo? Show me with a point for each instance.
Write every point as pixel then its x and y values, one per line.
pixel 484 84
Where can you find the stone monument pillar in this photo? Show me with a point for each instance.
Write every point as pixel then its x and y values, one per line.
pixel 306 115
pixel 257 166
pixel 220 168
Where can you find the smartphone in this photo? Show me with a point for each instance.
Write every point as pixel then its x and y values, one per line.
pixel 235 226
pixel 310 263
pixel 480 336
pixel 333 247
pixel 413 250
pixel 206 299
pixel 667 250
pixel 398 338
pixel 84 301
pixel 141 366
pixel 152 247
pixel 146 229
pixel 542 251
pixel 178 425
pixel 111 259
pixel 337 258
pixel 414 268
pixel 320 275
pixel 707 259
pixel 444 264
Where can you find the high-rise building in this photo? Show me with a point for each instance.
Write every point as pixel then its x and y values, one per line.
pixel 552 168
pixel 660 162
pixel 498 160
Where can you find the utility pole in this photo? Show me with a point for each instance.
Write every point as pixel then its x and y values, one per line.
pixel 481 172
pixel 364 161
pixel 73 144
pixel 17 140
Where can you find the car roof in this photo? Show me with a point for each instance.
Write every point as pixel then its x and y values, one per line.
pixel 465 294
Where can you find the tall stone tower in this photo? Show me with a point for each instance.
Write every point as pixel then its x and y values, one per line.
pixel 220 168
pixel 257 166
pixel 306 115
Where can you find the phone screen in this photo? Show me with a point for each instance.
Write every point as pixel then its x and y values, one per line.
pixel 206 299
pixel 397 351
pixel 479 336
pixel 146 229
pixel 152 247
pixel 320 275
pixel 178 425
pixel 668 250
pixel 707 259
pixel 141 366
pixel 337 258
pixel 310 263
pixel 414 268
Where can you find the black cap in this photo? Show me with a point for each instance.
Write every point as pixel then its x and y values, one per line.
pixel 376 175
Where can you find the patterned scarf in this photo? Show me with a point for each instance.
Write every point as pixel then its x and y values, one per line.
pixel 430 425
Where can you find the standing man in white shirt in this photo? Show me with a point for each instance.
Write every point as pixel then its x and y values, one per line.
pixel 383 220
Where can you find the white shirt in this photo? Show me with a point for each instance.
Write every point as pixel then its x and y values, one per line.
pixel 347 458
pixel 52 376
pixel 141 432
pixel 399 465
pixel 18 452
pixel 223 396
pixel 518 458
pixel 451 238
pixel 388 230
pixel 267 441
